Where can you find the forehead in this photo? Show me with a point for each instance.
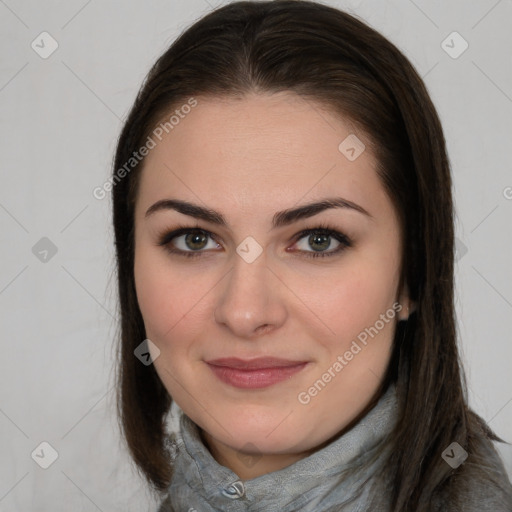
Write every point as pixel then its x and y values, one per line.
pixel 258 150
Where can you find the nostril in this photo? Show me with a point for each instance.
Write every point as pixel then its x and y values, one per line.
pixel 263 328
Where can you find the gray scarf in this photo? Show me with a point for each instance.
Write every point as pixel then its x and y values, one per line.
pixel 339 477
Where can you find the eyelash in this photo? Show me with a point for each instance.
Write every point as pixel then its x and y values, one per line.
pixel 322 229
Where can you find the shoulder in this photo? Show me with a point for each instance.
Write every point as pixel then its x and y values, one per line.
pixel 165 505
pixel 480 484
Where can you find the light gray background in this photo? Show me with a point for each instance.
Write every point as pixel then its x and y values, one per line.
pixel 60 118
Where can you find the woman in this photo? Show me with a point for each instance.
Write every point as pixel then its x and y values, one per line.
pixel 284 236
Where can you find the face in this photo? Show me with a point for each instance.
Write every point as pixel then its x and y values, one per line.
pixel 316 292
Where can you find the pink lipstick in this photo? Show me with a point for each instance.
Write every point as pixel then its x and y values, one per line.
pixel 254 373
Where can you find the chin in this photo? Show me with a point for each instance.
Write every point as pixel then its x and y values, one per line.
pixel 253 432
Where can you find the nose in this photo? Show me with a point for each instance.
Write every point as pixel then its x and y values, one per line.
pixel 252 301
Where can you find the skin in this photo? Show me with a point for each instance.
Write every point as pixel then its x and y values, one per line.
pixel 248 158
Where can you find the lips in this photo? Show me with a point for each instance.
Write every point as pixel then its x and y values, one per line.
pixel 254 364
pixel 254 373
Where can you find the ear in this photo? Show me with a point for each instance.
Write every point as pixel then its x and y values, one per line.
pixel 408 305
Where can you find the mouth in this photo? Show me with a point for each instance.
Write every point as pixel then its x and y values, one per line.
pixel 254 373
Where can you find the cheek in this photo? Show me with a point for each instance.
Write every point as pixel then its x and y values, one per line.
pixel 171 301
pixel 151 284
pixel 349 300
pixel 152 281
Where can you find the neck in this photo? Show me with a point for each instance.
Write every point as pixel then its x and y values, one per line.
pixel 247 464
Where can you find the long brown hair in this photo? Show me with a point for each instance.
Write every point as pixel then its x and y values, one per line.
pixel 333 59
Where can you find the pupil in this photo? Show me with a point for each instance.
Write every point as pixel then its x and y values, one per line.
pixel 320 239
pixel 195 238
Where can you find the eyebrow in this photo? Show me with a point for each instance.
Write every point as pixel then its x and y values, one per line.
pixel 282 218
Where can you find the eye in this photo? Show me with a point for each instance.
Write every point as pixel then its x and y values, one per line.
pixel 320 239
pixel 187 241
